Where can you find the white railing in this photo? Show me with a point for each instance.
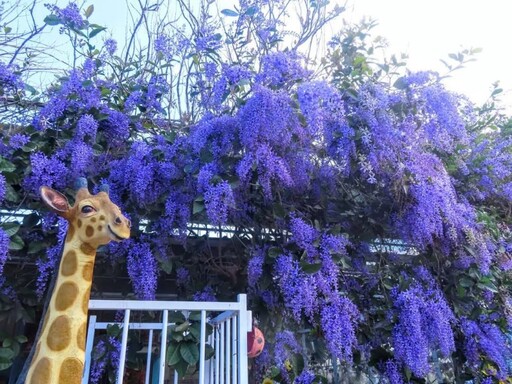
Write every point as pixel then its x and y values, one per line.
pixel 230 322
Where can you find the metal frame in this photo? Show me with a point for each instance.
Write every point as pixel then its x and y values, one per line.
pixel 228 365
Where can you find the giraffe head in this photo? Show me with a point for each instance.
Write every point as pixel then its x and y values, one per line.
pixel 94 219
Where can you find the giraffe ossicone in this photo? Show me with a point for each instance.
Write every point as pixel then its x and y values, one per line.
pixel 93 221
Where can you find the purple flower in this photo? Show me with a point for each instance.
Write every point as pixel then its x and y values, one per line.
pixel 182 277
pixel 69 15
pixel 298 289
pixel 18 140
pixel 49 171
pixel 424 321
pixel 10 83
pixel 285 344
pixel 110 46
pixel 4 249
pixel 81 158
pixel 280 68
pixel 393 373
pixel 485 338
pixel 207 294
pixel 339 319
pixel 3 187
pixel 255 266
pixel 306 377
pixel 143 271
pixel 49 264
pixel 87 126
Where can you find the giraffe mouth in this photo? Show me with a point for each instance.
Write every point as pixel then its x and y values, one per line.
pixel 116 236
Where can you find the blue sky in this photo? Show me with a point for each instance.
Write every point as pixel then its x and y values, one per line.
pixel 427 30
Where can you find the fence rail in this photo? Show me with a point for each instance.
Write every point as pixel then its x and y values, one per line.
pixel 230 322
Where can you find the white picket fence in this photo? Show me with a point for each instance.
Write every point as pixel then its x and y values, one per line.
pixel 230 321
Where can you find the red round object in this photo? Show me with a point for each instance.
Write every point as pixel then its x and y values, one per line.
pixel 255 342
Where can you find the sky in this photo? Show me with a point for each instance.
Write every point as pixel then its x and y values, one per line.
pixel 426 30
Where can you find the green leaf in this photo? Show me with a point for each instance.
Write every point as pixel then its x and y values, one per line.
pixel 310 267
pixel 273 252
pixel 7 29
pixel 10 194
pixel 95 31
pixel 16 243
pixel 21 339
pixel 176 317
pixel 35 247
pixel 173 354
pixel 251 11
pixel 190 353
pixel 11 228
pixel 6 166
pixel 181 327
pixel 198 207
pixel 466 282
pixel 52 20
pixel 229 12
pixel 88 12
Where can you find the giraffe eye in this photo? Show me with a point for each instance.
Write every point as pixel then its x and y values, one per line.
pixel 87 209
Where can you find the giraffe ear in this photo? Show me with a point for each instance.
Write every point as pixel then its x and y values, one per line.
pixel 56 201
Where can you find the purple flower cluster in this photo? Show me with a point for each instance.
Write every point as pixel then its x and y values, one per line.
pixel 255 266
pixel 49 171
pixel 4 249
pixel 110 46
pixel 305 377
pixel 285 343
pixel 182 277
pixel 77 93
pixel 281 68
pixel 18 141
pixel 140 174
pixel 339 320
pixel 142 269
pixel 207 294
pixel 298 288
pixel 106 353
pixel 86 127
pixel 49 264
pixel 392 372
pixel 424 321
pixel 70 15
pixel 3 187
pixel 215 134
pixel 10 82
pixel 487 339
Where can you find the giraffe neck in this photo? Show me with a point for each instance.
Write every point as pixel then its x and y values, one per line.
pixel 60 350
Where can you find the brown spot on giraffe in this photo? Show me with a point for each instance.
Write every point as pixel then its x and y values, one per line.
pixel 71 371
pixel 80 337
pixel 100 228
pixel 59 335
pixel 79 223
pixel 89 231
pixel 102 218
pixel 71 232
pixel 88 249
pixel 85 301
pixel 42 372
pixel 93 219
pixel 87 271
pixel 66 296
pixel 69 263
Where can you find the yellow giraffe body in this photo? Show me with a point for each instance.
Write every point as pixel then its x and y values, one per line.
pixel 93 221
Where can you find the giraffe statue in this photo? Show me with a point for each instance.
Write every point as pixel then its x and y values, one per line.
pixel 93 221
